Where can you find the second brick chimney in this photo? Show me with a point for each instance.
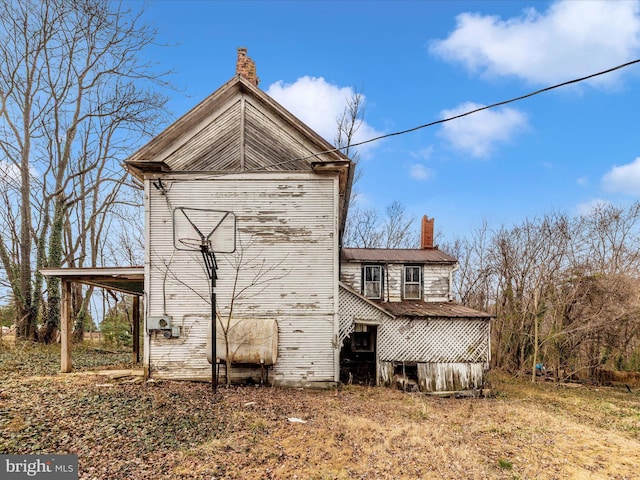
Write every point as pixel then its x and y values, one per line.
pixel 426 237
pixel 246 67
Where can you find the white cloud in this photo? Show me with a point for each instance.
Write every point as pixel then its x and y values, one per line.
pixel 319 103
pixel 587 208
pixel 423 154
pixel 361 200
pixel 10 175
pixel 478 134
pixel 583 181
pixel 568 40
pixel 623 178
pixel 418 171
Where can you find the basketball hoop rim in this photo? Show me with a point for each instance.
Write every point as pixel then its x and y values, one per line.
pixel 192 243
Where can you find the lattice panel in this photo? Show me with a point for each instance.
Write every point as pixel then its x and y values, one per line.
pixel 354 308
pixel 454 340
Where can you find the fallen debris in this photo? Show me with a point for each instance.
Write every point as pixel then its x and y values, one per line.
pixel 296 420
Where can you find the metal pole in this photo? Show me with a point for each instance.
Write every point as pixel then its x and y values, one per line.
pixel 214 339
pixel 209 259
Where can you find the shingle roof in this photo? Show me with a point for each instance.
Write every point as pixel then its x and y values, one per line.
pixel 396 255
pixel 420 309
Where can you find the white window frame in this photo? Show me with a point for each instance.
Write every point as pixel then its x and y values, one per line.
pixel 413 282
pixel 366 284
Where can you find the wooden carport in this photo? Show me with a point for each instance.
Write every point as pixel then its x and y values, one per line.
pixel 128 280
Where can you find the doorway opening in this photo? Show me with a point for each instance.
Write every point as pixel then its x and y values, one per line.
pixel 358 355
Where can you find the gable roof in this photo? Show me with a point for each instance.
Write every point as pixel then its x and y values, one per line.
pixel 239 128
pixel 397 255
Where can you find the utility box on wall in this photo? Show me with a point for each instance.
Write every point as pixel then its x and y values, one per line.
pixel 158 323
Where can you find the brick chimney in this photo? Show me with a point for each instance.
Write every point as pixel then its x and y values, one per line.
pixel 426 237
pixel 246 67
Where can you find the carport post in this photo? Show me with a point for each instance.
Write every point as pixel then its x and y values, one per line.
pixel 65 328
pixel 136 330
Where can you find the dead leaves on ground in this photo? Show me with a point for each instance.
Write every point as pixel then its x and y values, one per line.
pixel 176 430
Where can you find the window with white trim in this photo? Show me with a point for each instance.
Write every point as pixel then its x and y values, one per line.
pixel 372 281
pixel 412 283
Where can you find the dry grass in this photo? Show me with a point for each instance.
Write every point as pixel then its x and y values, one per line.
pixel 172 430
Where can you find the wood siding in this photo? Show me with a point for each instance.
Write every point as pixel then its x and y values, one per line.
pixel 240 136
pixel 435 281
pixel 287 236
pixel 351 274
pixel 213 145
pixel 438 377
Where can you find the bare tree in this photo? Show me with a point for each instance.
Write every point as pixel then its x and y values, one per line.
pixel 74 99
pixel 366 228
pixel 474 283
pixel 564 290
pixel 248 273
pixel 348 123
pixel 252 274
pixel 363 228
pixel 610 236
pixel 528 258
pixel 396 228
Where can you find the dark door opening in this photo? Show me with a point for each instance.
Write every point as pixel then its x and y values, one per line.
pixel 358 356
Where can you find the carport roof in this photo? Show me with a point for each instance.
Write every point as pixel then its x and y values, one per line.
pixel 122 279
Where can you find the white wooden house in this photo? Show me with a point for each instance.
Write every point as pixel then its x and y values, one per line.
pixel 397 320
pixel 240 152
pixel 239 175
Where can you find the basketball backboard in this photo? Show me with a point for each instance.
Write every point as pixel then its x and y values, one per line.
pixel 194 228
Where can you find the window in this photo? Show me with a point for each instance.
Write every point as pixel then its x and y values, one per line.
pixel 372 284
pixel 363 338
pixel 412 282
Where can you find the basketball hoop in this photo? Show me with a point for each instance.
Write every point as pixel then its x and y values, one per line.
pixel 199 229
pixel 208 232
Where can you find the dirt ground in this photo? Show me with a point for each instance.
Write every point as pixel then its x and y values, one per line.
pixel 125 428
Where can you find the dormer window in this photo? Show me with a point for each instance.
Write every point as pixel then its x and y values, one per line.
pixel 412 282
pixel 372 281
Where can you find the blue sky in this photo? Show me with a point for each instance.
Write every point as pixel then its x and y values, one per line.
pixel 417 62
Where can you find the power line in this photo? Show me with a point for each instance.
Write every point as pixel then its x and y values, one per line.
pixel 471 112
